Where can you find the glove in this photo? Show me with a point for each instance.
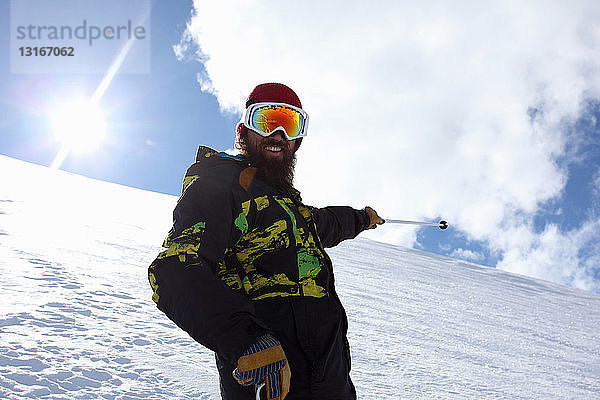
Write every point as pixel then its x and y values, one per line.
pixel 373 217
pixel 265 361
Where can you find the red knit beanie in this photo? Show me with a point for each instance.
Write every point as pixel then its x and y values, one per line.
pixel 275 92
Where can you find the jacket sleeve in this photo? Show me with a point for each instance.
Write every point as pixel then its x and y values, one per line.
pixel 335 224
pixel 183 276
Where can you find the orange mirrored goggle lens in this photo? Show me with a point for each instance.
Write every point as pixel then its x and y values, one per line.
pixel 268 118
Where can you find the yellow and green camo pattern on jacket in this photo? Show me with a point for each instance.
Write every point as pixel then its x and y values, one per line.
pixel 269 225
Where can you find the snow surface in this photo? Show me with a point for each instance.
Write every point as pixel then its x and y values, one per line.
pixel 77 321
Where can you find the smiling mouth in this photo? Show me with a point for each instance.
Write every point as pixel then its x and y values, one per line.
pixel 273 149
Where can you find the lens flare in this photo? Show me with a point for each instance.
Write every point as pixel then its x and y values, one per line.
pixel 79 125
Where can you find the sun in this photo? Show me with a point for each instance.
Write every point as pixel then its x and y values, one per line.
pixel 79 125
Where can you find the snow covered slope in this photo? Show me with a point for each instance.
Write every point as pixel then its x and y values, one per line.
pixel 76 319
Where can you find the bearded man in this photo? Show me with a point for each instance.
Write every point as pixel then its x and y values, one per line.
pixel 244 271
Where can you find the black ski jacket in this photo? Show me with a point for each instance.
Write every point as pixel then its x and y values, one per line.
pixel 243 259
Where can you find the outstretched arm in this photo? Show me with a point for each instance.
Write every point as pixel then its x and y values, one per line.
pixel 335 224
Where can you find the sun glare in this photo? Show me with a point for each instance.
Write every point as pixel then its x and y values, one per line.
pixel 78 125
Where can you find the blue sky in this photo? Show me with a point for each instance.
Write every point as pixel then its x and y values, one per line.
pixel 165 108
pixel 486 116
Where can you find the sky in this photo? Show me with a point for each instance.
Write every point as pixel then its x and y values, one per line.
pixel 484 114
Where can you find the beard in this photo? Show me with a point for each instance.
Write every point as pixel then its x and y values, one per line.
pixel 278 172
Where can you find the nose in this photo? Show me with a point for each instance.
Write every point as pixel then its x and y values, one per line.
pixel 278 134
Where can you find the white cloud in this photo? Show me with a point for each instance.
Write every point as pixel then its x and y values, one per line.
pixel 466 254
pixel 421 109
pixel 555 255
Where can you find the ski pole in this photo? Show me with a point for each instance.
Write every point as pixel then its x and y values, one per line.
pixel 442 224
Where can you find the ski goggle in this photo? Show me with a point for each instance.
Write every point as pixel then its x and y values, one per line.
pixel 266 118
